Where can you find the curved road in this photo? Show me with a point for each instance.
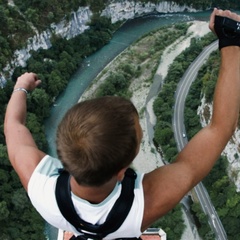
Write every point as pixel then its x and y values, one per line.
pixel 181 139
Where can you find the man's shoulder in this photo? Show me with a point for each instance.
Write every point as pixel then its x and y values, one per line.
pixel 48 168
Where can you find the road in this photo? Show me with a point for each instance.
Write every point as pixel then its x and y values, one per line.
pixel 181 139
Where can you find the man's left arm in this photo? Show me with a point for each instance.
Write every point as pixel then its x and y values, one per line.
pixel 23 152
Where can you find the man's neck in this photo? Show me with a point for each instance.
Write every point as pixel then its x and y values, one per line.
pixel 94 195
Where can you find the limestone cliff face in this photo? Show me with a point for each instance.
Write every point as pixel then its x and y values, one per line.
pixel 123 10
pixel 231 151
pixel 76 25
pixel 116 11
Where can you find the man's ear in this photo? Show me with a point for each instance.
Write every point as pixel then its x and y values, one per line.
pixel 121 173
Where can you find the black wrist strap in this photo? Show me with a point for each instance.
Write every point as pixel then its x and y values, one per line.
pixel 116 216
pixel 228 31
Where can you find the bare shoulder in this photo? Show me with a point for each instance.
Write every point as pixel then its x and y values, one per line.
pixel 163 189
pixel 25 163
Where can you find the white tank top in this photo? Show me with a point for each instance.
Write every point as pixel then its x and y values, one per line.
pixel 41 191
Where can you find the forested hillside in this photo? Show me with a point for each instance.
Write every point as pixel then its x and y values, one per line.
pixel 19 21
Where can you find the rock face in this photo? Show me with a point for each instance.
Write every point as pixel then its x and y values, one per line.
pixel 231 151
pixel 123 10
pixel 116 11
pixel 76 25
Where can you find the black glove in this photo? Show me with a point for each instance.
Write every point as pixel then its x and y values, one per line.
pixel 228 31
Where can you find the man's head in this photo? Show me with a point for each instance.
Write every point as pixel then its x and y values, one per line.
pixel 97 138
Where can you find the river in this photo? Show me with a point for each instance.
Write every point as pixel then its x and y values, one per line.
pixel 91 66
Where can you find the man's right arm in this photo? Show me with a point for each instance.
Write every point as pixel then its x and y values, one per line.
pixel 167 185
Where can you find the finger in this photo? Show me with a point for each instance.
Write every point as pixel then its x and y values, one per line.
pixel 212 16
pixel 220 12
pixel 235 17
pixel 212 19
pixel 34 75
pixel 38 82
pixel 227 13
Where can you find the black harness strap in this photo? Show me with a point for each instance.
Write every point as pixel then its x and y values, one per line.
pixel 115 218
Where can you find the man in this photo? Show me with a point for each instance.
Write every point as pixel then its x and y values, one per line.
pixel 98 139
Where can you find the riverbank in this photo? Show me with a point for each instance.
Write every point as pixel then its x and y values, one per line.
pixel 148 158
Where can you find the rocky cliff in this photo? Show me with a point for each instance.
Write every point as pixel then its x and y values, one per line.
pixel 231 151
pixel 122 10
pixel 116 11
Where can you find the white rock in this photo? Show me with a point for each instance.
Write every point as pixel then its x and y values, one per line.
pixel 123 10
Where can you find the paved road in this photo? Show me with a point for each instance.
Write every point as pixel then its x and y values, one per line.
pixel 181 139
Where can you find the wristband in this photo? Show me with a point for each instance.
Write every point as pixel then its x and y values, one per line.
pixel 228 31
pixel 21 89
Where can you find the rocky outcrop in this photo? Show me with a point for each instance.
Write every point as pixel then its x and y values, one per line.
pixel 231 151
pixel 116 11
pixel 76 25
pixel 123 10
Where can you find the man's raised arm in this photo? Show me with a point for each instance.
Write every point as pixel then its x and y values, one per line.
pixel 166 186
pixel 22 150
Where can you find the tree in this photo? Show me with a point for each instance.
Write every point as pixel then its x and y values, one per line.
pixel 128 70
pixel 20 200
pixel 209 89
pixel 157 106
pixel 4 213
pixel 171 154
pixel 56 83
pixel 106 89
pixel 37 131
pixel 172 223
pixel 39 103
pixel 98 39
pixel 119 81
pixel 163 136
pixel 3 156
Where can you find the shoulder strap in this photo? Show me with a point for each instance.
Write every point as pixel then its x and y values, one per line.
pixel 116 216
pixel 65 204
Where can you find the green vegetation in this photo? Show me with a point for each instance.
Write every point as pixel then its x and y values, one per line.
pixel 204 229
pixel 41 13
pixel 163 134
pixel 14 31
pixel 18 219
pixel 139 62
pixel 163 105
pixel 172 223
pixel 26 18
pixel 22 19
pixel 56 65
pixel 221 189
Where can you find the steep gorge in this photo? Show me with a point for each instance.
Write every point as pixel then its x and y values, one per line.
pixel 78 23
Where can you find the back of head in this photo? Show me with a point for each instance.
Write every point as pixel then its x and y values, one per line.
pixel 97 138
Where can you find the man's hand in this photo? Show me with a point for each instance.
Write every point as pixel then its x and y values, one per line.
pixel 225 25
pixel 221 13
pixel 28 81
